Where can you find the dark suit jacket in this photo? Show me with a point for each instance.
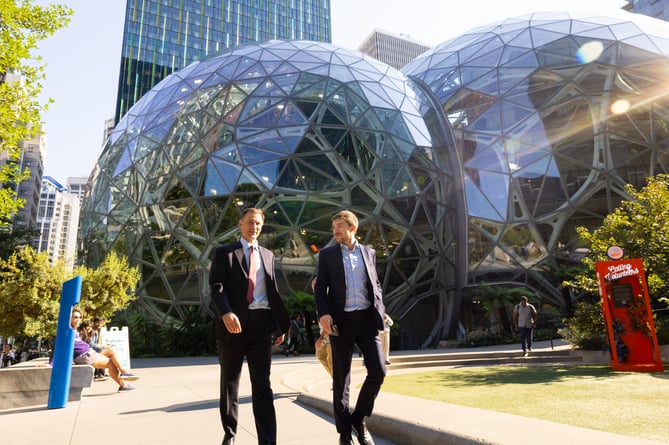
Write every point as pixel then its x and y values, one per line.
pixel 330 289
pixel 228 280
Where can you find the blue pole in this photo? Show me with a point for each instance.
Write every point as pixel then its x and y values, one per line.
pixel 61 373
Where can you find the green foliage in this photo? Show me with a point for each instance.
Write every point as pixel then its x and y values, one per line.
pixel 662 330
pixel 586 329
pixel 22 26
pixel 641 227
pixel 143 332
pixel 108 288
pixel 300 302
pixel 305 304
pixel 14 237
pixel 190 336
pixel 31 287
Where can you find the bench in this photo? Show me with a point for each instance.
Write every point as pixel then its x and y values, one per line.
pixel 27 383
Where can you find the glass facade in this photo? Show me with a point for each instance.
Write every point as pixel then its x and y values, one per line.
pixel 553 114
pixel 163 36
pixel 653 8
pixel 299 129
pixel 474 164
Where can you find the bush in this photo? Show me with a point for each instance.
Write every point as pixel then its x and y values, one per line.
pixel 586 329
pixel 662 330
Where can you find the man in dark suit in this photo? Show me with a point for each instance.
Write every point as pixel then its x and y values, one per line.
pixel 350 309
pixel 250 313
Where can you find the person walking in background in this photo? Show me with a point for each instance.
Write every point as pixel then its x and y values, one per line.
pixel 385 336
pixel 350 308
pixel 525 319
pixel 295 333
pixel 249 313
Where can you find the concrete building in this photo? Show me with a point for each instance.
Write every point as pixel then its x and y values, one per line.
pixel 77 185
pixel 58 222
pixel 652 8
pixel 392 49
pixel 33 156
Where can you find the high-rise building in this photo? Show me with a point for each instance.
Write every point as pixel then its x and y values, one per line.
pixel 57 221
pixel 33 156
pixel 31 159
pixel 653 8
pixel 77 185
pixel 162 36
pixel 392 49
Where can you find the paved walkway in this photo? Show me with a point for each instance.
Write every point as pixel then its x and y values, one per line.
pixel 177 404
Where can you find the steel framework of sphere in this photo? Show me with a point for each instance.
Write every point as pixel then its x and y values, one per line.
pixel 475 163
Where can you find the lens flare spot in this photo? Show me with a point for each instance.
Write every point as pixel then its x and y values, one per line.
pixel 620 106
pixel 589 52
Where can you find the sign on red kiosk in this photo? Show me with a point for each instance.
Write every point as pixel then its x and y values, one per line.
pixel 629 320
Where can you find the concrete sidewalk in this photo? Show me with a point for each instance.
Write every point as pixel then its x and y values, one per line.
pixel 177 403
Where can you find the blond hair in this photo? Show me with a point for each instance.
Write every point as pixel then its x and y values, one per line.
pixel 347 216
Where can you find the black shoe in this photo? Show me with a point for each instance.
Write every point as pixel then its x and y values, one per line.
pixel 228 440
pixel 345 439
pixel 360 430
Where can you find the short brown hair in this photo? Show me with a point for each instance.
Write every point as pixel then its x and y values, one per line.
pixel 347 216
pixel 252 210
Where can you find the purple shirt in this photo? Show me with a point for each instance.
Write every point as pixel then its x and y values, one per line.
pixel 80 346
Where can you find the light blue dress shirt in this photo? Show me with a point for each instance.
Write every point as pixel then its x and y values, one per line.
pixel 356 278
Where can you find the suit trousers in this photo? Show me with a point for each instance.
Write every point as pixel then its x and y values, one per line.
pixel 256 344
pixel 357 327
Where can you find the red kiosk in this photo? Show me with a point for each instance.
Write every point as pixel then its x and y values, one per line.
pixel 629 320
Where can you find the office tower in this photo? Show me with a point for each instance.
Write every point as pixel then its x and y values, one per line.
pixel 163 36
pixel 77 185
pixel 32 158
pixel 653 8
pixel 57 221
pixel 391 49
pixel 33 155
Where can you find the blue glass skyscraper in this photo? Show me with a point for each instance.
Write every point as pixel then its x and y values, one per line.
pixel 163 36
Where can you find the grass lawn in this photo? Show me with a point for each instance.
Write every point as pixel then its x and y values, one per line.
pixel 595 397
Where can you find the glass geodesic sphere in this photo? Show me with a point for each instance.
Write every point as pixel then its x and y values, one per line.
pixel 553 113
pixel 299 129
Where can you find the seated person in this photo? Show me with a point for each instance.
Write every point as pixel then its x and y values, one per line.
pixel 106 359
pixel 7 357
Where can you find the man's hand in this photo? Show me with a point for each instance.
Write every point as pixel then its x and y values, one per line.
pixel 232 323
pixel 325 322
pixel 279 339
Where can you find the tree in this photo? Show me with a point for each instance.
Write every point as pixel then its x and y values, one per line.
pixel 108 288
pixel 22 26
pixel 496 300
pixel 305 304
pixel 641 227
pixel 15 237
pixel 30 290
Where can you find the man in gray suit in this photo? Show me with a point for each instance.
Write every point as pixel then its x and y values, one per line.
pixel 350 308
pixel 250 313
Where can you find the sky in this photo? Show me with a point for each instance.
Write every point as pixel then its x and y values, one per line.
pixel 82 60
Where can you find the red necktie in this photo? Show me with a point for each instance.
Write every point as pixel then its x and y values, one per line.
pixel 252 275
